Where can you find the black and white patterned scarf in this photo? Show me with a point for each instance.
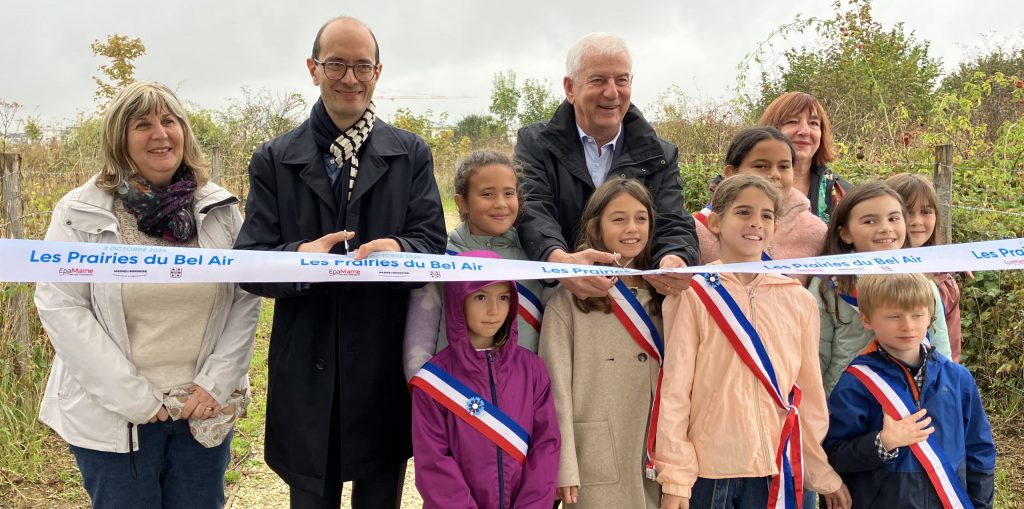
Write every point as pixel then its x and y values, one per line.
pixel 342 145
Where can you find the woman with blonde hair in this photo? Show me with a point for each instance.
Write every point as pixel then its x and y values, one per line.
pixel 148 379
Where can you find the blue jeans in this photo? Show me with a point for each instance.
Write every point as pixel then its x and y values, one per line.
pixel 737 493
pixel 170 470
pixel 810 498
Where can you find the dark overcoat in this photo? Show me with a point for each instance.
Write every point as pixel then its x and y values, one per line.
pixel 558 184
pixel 352 331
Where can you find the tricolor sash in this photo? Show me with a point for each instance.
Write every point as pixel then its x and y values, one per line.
pixel 638 324
pixel 472 408
pixel 530 308
pixel 786 489
pixel 702 215
pixel 851 300
pixel 635 319
pixel 897 404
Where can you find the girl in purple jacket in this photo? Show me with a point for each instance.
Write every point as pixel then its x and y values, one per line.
pixel 485 433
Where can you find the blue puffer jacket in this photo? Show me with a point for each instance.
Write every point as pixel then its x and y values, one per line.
pixel 961 427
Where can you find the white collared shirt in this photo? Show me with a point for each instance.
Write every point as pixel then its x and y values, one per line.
pixel 599 160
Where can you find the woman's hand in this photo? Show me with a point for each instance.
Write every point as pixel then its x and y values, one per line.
pixel 160 415
pixel 567 494
pixel 200 405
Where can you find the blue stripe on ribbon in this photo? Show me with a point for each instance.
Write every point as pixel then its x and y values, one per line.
pixel 954 479
pixel 849 299
pixel 762 354
pixel 642 313
pixel 449 251
pixel 787 488
pixel 490 407
pixel 765 257
pixel 525 292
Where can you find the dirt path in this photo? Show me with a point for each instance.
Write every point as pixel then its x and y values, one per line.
pixel 261 487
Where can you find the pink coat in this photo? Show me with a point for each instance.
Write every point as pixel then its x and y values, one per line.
pixel 457 466
pixel 800 233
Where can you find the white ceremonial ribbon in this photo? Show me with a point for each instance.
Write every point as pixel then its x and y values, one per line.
pixel 81 262
pixel 36 261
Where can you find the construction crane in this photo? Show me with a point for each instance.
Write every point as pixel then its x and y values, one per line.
pixel 427 97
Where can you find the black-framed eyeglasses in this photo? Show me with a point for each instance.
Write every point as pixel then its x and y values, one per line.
pixel 338 70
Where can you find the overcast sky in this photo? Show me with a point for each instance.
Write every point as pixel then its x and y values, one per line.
pixel 208 50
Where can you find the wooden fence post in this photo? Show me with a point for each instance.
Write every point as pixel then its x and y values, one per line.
pixel 944 189
pixel 10 175
pixel 215 170
pixel 17 315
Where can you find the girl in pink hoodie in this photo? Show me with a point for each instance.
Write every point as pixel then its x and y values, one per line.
pixel 485 433
pixel 766 152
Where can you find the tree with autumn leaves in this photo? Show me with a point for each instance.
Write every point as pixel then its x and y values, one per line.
pixel 122 52
pixel 866 75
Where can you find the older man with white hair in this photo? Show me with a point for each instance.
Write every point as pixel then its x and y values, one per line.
pixel 596 134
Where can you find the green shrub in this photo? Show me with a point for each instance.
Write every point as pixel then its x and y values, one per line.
pixel 992 309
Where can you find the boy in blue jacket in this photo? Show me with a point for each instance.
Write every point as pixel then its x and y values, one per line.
pixel 907 427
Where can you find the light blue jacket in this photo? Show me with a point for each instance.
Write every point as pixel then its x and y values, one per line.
pixel 845 338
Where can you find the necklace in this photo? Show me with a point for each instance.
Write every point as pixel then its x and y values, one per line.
pixel 626 279
pixel 621 266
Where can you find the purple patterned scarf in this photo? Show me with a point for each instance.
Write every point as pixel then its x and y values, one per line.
pixel 164 212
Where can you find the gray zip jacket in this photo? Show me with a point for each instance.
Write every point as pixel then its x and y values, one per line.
pixel 94 396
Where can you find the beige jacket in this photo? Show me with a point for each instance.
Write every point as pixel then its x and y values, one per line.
pixel 94 395
pixel 603 384
pixel 717 421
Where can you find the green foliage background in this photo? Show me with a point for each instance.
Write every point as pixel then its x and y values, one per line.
pixel 882 89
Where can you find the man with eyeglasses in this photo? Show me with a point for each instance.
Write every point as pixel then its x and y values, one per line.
pixel 594 135
pixel 342 182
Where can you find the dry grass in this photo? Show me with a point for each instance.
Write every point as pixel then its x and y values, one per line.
pixel 1009 437
pixel 45 475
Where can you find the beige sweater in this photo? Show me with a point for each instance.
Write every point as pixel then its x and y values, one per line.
pixel 165 344
pixel 603 384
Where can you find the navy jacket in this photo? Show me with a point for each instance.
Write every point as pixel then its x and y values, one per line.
pixel 961 427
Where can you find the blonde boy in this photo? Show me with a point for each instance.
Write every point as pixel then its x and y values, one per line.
pixel 901 406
